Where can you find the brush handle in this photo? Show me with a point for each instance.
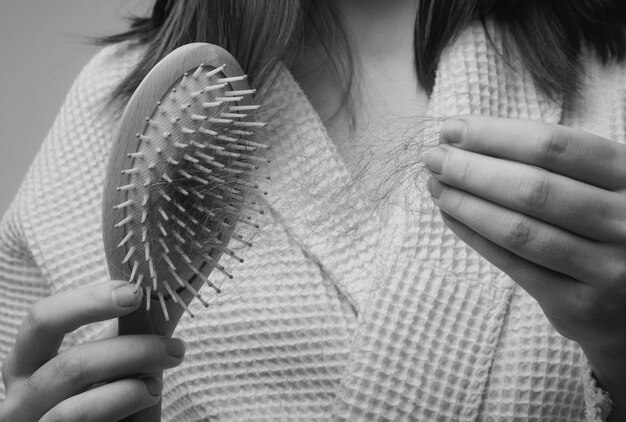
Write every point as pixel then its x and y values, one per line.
pixel 147 322
pixel 152 321
pixel 153 89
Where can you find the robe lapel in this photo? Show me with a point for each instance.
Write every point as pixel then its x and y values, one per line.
pixel 311 193
pixel 428 334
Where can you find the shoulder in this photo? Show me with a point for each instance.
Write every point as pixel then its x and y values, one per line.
pixel 59 203
pixel 106 69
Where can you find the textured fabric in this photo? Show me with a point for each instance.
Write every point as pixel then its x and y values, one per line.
pixel 336 313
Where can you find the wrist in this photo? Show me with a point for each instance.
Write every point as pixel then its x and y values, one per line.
pixel 609 370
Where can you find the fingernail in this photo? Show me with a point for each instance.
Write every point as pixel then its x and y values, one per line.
pixel 452 131
pixel 153 385
pixel 434 187
pixel 174 347
pixel 126 295
pixel 434 159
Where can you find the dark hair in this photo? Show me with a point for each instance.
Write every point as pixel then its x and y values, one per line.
pixel 258 33
pixel 549 35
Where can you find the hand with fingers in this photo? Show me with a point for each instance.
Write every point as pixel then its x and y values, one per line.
pixel 547 205
pixel 99 381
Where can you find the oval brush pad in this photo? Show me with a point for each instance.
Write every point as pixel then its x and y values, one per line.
pixel 180 178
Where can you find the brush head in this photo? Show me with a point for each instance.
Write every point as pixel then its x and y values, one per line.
pixel 182 175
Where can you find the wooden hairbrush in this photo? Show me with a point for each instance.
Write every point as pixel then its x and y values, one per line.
pixel 180 178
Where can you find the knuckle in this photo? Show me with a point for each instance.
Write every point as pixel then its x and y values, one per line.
pixel 67 411
pixel 146 347
pixel 516 234
pixel 535 193
pixel 132 388
pixel 129 389
pixel 465 172
pixel 135 388
pixel 455 201
pixel 37 318
pixel 604 210
pixel 551 144
pixel 31 385
pixel 70 367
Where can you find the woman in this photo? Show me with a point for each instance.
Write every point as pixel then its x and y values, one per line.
pixel 356 302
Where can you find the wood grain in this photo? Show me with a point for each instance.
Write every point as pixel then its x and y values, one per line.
pixel 152 89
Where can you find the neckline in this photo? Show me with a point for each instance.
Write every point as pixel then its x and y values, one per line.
pixel 314 195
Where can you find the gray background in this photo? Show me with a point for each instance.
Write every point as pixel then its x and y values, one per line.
pixel 41 52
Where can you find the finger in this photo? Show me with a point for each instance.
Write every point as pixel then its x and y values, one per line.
pixel 567 203
pixel 75 370
pixel 109 402
pixel 533 240
pixel 572 153
pixel 43 329
pixel 551 289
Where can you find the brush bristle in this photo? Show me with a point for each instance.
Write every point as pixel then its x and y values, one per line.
pixel 189 183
